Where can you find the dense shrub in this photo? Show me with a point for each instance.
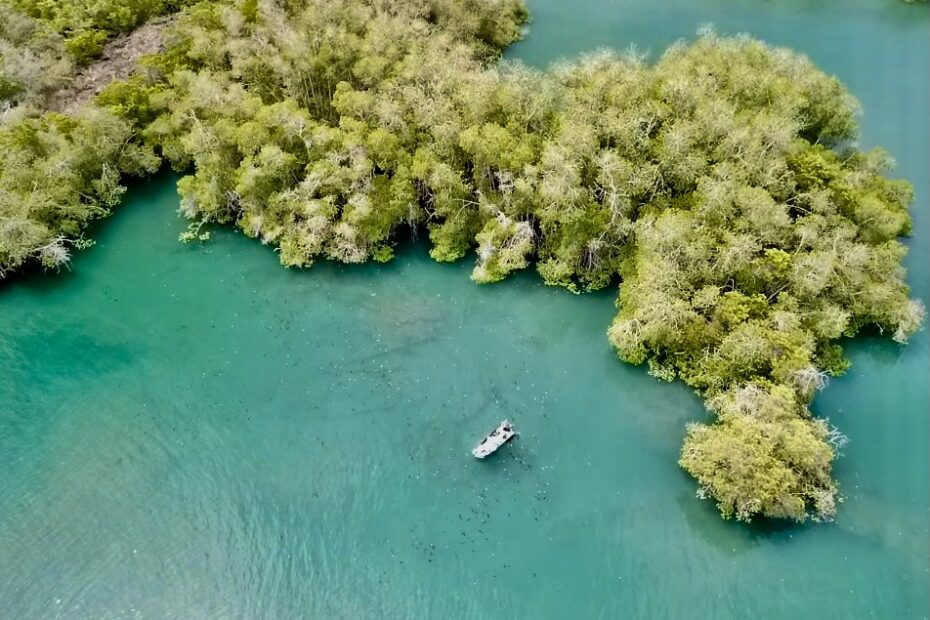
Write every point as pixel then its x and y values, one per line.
pixel 86 25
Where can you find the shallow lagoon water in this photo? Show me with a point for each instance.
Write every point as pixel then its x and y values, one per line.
pixel 195 432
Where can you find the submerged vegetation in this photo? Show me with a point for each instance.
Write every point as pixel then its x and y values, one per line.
pixel 720 186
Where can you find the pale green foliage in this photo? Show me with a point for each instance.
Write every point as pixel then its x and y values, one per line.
pixel 321 155
pixel 58 173
pixel 33 62
pixel 774 245
pixel 86 25
pixel 763 456
pixel 504 245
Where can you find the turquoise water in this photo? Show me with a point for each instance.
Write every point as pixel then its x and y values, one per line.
pixel 194 432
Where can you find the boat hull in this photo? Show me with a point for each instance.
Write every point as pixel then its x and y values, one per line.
pixel 493 442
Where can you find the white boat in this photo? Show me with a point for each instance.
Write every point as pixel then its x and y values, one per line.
pixel 498 437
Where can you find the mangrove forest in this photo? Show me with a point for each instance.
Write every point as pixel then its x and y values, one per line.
pixel 719 185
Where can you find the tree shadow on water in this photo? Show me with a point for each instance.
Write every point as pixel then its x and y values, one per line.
pixel 872 346
pixel 35 279
pixel 731 537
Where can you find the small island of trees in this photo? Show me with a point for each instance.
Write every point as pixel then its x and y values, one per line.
pixel 721 186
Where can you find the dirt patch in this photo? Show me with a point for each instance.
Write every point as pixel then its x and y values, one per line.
pixel 116 62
